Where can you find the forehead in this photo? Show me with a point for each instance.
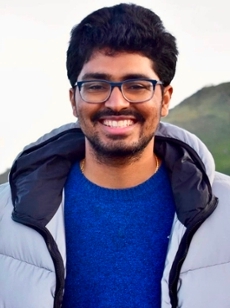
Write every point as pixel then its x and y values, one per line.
pixel 118 65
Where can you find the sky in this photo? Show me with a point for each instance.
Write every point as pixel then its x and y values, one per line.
pixel 34 38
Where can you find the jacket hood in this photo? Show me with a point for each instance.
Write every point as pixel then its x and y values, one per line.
pixel 177 133
pixel 39 173
pixel 164 130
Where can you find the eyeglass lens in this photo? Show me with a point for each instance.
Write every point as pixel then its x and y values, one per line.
pixel 133 91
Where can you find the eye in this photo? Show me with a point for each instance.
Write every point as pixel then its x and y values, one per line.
pixel 137 86
pixel 95 86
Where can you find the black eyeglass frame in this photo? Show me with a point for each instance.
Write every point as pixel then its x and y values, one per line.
pixel 112 84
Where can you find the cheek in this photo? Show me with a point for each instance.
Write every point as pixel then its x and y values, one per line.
pixel 152 113
pixel 87 111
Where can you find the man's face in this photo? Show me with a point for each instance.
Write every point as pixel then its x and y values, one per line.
pixel 117 128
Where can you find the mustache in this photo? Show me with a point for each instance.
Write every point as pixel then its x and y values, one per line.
pixel 108 112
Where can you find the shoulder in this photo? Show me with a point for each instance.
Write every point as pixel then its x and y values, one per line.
pixel 221 187
pixel 221 178
pixel 5 195
pixel 52 133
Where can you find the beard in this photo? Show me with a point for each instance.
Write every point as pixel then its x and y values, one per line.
pixel 117 151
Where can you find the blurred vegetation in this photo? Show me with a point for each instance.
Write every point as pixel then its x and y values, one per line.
pixel 207 114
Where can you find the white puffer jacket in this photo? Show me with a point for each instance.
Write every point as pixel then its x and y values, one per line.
pixel 32 233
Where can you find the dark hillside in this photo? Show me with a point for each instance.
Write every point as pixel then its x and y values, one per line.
pixel 207 114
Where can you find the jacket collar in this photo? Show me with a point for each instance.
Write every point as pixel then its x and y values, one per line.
pixel 39 173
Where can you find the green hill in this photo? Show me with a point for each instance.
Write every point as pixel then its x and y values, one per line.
pixel 207 114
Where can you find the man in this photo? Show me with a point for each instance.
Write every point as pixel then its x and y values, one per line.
pixel 117 210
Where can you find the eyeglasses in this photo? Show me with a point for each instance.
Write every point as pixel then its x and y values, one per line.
pixel 133 90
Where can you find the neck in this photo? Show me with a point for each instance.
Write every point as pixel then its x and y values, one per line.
pixel 120 175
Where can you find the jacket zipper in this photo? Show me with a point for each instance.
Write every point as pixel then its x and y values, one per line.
pixel 183 250
pixel 55 255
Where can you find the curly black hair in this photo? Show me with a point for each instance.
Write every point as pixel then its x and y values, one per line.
pixel 123 28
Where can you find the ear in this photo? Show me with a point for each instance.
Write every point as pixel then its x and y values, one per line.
pixel 167 94
pixel 72 101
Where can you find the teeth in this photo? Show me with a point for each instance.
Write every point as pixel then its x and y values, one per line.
pixel 121 123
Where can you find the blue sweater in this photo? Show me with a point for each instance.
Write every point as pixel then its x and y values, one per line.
pixel 116 242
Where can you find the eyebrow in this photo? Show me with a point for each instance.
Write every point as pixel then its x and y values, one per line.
pixel 89 76
pixel 103 76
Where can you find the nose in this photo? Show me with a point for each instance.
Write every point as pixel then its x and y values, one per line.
pixel 116 101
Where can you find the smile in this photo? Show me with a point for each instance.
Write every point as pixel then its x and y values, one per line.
pixel 119 124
